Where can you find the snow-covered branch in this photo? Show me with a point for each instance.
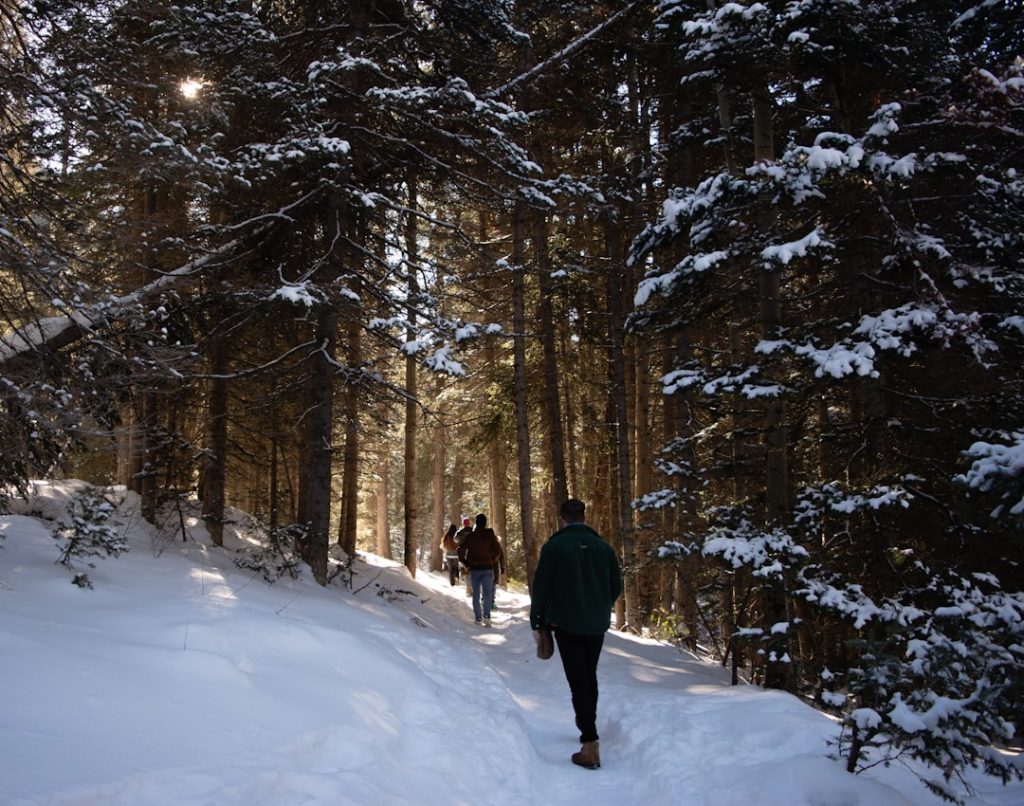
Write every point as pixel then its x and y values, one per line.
pixel 57 332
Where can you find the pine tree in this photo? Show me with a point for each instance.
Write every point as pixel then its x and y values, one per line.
pixel 886 237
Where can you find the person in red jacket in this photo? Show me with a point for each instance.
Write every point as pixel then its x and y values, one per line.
pixel 480 552
pixel 576 582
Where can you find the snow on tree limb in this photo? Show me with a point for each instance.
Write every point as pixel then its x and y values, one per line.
pixel 57 332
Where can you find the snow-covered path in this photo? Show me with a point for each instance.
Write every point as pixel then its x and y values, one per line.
pixel 181 679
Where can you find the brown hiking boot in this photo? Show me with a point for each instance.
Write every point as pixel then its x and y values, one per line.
pixel 589 756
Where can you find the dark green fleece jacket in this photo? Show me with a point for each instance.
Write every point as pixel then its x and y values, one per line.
pixel 576 582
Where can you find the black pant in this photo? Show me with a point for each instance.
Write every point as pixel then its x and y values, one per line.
pixel 579 654
pixel 453 569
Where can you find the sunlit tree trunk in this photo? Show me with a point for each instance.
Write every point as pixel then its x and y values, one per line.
pixel 440 458
pixel 519 369
pixel 215 470
pixel 496 464
pixel 552 401
pixel 497 452
pixel 383 499
pixel 457 480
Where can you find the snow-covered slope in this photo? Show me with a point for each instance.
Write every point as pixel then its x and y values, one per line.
pixel 182 679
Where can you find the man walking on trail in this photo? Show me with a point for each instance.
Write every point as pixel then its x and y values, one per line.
pixel 574 587
pixel 481 551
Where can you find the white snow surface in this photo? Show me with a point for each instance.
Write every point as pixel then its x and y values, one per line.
pixel 182 679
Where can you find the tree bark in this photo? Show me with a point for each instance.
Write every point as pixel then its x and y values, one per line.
pixel 552 401
pixel 618 393
pixel 519 370
pixel 383 495
pixel 348 522
pixel 440 458
pixel 411 543
pixel 496 459
pixel 215 465
pixel 274 492
pixel 147 474
pixel 316 469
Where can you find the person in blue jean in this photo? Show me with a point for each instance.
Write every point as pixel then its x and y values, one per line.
pixel 575 585
pixel 480 552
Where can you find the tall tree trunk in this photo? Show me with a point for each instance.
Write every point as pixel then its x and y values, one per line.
pixel 572 459
pixel 777 674
pixel 496 485
pixel 147 476
pixel 519 370
pixel 496 464
pixel 215 465
pixel 316 470
pixel 776 481
pixel 609 464
pixel 734 582
pixel 643 466
pixel 383 497
pixel 411 543
pixel 274 492
pixel 458 481
pixel 496 451
pixel 618 393
pixel 552 401
pixel 725 117
pixel 348 521
pixel 440 459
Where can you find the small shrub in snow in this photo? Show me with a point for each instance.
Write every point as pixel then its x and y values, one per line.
pixel 278 556
pixel 87 531
pixel 82 581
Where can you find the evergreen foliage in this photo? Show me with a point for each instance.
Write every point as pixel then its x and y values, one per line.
pixel 88 532
pixel 885 220
pixel 279 555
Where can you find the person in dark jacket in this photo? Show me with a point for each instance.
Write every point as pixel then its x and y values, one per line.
pixel 575 585
pixel 460 538
pixel 480 552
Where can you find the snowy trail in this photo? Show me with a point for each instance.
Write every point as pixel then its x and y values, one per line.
pixel 181 680
pixel 641 682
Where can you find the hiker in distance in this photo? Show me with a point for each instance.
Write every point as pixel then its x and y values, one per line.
pixel 480 552
pixel 451 554
pixel 574 587
pixel 460 538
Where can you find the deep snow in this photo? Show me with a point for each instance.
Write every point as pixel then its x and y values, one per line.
pixel 182 679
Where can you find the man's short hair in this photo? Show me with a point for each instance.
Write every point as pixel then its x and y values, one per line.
pixel 573 510
pixel 481 521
